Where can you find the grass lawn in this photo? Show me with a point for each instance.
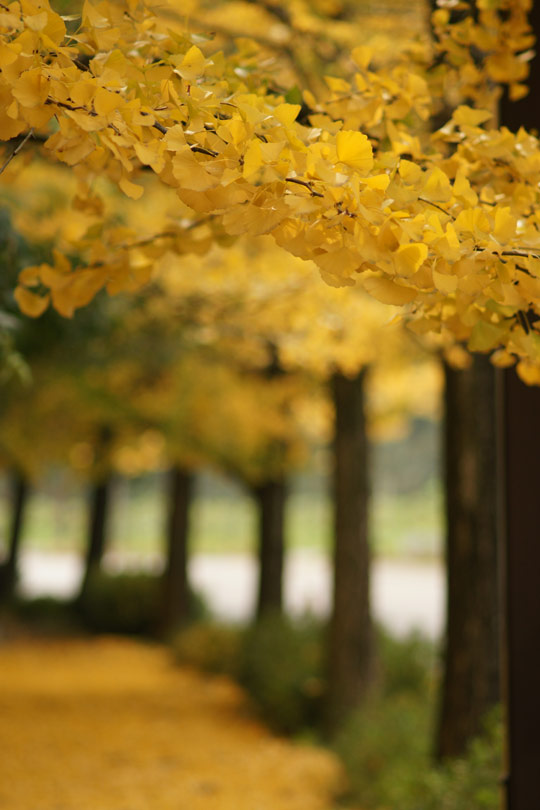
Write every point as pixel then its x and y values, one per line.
pixel 224 519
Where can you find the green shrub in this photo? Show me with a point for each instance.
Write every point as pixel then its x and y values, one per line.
pixel 386 744
pixel 407 664
pixel 282 669
pixel 127 603
pixel 121 603
pixel 385 747
pixel 277 660
pixel 46 614
pixel 471 782
pixel 211 647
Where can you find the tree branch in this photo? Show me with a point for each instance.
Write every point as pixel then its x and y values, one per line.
pixel 448 214
pixel 16 150
pixel 304 183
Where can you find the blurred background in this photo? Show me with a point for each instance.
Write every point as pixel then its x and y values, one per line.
pixel 265 474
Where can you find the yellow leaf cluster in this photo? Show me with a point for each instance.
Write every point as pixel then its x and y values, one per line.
pixel 446 227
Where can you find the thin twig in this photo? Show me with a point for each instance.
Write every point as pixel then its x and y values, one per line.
pixel 204 151
pixel 305 184
pixel 448 214
pixel 524 321
pixel 74 108
pixel 525 253
pixel 16 150
pixel 523 270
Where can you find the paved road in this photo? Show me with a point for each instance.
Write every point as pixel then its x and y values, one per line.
pixel 405 595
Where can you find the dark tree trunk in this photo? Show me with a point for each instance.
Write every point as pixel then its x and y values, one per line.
pixel 520 437
pixel 471 676
pixel 350 649
pixel 271 498
pixel 471 683
pixel 18 500
pixel 98 525
pixel 175 581
pixel 520 440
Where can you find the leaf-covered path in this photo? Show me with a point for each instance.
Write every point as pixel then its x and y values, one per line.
pixel 112 724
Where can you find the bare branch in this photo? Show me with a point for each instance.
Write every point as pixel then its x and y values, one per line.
pixel 525 253
pixel 444 211
pixel 16 150
pixel 304 183
pixel 204 151
pixel 524 321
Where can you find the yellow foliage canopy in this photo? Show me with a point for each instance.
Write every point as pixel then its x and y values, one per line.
pixel 446 227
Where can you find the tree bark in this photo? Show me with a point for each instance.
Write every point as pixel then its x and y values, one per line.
pixel 350 648
pixel 271 498
pixel 98 526
pixel 519 439
pixel 19 498
pixel 471 675
pixel 175 580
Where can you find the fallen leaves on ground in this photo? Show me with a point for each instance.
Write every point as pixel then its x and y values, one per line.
pixel 112 724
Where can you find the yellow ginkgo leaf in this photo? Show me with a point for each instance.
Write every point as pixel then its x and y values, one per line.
pixel 445 283
pixel 502 358
pixel 76 150
pixel 457 357
pixel 92 17
pixel 30 303
pixel 505 225
pixel 362 55
pixel 37 22
pixel 55 28
pixel 354 149
pixel 388 292
pixel 486 336
pixel 473 220
pixel 286 113
pixel 379 182
pixel 32 88
pixel 8 55
pixel 409 258
pixel 150 154
pixel 337 85
pixel 410 172
pixel 252 159
pixel 130 189
pixel 463 190
pixel 529 372
pixel 466 116
pixel 106 102
pixel 192 64
pixel 437 186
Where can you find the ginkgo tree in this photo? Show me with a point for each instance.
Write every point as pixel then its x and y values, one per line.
pixel 274 314
pixel 246 299
pixel 444 226
pixel 271 318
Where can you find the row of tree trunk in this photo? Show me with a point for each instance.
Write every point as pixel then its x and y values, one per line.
pixel 18 497
pixel 471 679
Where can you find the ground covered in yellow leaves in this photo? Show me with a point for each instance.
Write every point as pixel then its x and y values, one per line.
pixel 111 724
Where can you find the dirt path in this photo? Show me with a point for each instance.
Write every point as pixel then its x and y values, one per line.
pixel 114 725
